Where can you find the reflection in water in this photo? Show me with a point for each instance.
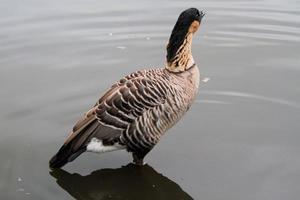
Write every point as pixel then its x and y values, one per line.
pixel 128 182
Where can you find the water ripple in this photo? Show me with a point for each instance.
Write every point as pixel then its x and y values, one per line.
pixel 279 101
pixel 210 101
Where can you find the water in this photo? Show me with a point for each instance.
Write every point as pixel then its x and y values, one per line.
pixel 240 140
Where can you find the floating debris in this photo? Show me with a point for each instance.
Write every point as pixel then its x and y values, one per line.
pixel 110 34
pixel 28 193
pixel 121 47
pixel 148 38
pixel 19 179
pixel 21 190
pixel 206 79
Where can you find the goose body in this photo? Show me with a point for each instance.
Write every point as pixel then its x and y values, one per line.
pixel 137 110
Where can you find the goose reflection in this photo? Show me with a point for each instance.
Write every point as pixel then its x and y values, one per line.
pixel 128 182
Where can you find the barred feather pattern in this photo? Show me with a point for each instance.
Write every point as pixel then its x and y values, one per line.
pixel 145 104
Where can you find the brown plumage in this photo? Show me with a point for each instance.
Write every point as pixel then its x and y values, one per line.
pixel 137 110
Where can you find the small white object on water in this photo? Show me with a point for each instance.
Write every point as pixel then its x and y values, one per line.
pixel 20 190
pixel 110 34
pixel 121 47
pixel 148 38
pixel 28 193
pixel 206 79
pixel 19 179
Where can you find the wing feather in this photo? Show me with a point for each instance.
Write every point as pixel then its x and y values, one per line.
pixel 118 112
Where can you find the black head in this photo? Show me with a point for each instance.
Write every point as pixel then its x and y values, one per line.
pixel 180 30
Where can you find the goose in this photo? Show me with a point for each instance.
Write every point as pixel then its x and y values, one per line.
pixel 138 109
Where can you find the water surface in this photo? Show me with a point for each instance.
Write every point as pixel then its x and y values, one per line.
pixel 240 140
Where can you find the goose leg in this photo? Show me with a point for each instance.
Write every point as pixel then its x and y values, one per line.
pixel 138 159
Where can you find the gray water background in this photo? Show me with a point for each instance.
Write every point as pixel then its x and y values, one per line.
pixel 240 140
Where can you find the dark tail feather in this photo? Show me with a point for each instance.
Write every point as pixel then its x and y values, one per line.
pixel 63 156
pixel 74 147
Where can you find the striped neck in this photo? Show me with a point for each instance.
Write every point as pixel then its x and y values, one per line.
pixel 183 59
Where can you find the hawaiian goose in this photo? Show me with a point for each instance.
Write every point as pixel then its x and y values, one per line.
pixel 137 110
